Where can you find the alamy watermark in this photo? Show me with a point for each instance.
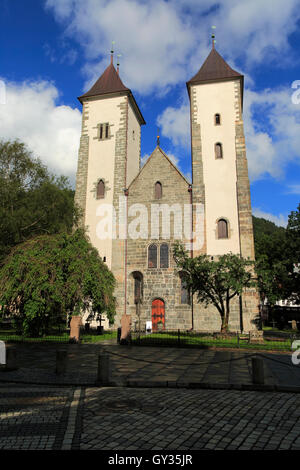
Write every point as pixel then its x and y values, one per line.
pixel 153 223
pixel 2 92
pixel 296 354
pixel 2 353
pixel 296 95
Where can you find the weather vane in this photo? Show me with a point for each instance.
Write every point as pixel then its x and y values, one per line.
pixel 118 62
pixel 213 37
pixel 158 136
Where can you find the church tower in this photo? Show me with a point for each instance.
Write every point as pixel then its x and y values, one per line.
pixel 109 159
pixel 219 166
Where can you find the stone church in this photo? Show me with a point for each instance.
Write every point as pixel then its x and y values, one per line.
pixel 134 213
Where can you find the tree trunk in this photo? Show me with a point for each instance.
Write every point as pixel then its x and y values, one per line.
pixel 225 316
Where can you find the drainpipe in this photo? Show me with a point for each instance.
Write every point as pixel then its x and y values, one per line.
pixel 125 261
pixel 126 195
pixel 192 252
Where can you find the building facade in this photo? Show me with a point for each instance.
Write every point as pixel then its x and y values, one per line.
pixel 134 214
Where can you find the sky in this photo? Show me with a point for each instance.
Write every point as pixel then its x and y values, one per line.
pixel 54 50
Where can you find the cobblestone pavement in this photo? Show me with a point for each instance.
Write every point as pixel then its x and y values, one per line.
pixel 140 366
pixel 82 418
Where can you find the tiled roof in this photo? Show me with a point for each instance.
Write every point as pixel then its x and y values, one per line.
pixel 214 68
pixel 110 82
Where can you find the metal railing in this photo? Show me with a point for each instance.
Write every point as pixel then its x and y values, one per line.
pixel 206 340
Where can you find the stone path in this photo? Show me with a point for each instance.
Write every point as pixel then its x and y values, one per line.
pixel 112 419
pixel 148 366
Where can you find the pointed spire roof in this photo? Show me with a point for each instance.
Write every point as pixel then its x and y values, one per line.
pixel 214 69
pixel 111 83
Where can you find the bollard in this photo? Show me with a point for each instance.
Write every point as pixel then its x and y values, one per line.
pixel 61 362
pixel 11 358
pixel 2 353
pixel 103 373
pixel 258 371
pixel 119 335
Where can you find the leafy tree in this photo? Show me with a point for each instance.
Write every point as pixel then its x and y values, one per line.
pixel 277 250
pixel 32 201
pixel 215 282
pixel 293 242
pixel 273 281
pixel 293 236
pixel 269 241
pixel 49 276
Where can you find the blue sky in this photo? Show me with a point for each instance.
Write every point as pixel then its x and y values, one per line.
pixel 53 50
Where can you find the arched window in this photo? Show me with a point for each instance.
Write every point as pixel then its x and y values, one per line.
pixel 218 150
pixel 164 255
pixel 217 119
pixel 152 256
pixel 138 287
pixel 100 189
pixel 185 297
pixel 222 228
pixel 158 190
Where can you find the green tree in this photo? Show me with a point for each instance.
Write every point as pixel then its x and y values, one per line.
pixel 32 201
pixel 272 264
pixel 293 242
pixel 49 276
pixel 215 282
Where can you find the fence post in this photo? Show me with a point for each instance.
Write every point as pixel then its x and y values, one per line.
pixel 258 371
pixel 61 361
pixel 11 358
pixel 178 335
pixel 103 372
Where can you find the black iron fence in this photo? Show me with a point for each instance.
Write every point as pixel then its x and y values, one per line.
pixel 183 338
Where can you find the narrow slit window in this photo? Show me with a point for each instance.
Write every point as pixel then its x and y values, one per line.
pixel 222 228
pixel 218 150
pixel 164 255
pixel 103 131
pixel 217 119
pixel 138 287
pixel 100 189
pixel 185 297
pixel 152 256
pixel 158 190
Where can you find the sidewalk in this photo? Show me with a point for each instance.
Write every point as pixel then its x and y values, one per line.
pixel 133 366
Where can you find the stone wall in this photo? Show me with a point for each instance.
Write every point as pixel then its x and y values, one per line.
pixel 163 283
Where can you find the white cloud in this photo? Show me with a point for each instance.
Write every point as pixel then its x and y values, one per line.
pixel 281 220
pixel 52 132
pixel 271 144
pixel 276 141
pixel 293 189
pixel 144 158
pixel 165 42
pixel 175 124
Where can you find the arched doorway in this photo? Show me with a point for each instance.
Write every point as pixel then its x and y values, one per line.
pixel 158 314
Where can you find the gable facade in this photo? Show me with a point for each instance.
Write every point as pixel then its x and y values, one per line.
pixel 155 205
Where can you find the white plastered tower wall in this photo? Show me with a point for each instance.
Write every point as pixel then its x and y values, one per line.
pixel 222 184
pixel 219 174
pixel 112 156
pixel 101 164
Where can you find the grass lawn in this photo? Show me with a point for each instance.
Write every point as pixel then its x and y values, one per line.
pixel 190 340
pixel 11 336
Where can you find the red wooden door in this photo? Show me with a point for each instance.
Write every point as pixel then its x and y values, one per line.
pixel 158 314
